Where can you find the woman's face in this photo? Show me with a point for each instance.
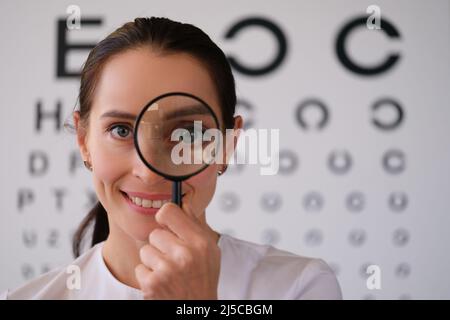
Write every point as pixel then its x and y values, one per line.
pixel 128 81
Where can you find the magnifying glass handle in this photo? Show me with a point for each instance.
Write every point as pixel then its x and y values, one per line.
pixel 176 192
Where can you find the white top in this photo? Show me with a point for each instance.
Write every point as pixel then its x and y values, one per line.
pixel 247 271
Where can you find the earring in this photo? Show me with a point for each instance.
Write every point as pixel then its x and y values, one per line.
pixel 87 165
pixel 221 172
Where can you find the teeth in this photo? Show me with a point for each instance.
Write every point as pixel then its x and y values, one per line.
pixel 146 203
pixel 157 203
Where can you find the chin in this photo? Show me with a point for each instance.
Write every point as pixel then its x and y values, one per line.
pixel 140 231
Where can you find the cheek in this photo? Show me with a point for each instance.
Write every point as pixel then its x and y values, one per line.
pixel 204 185
pixel 109 163
pixel 206 177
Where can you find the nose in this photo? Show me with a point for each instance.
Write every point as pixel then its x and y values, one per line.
pixel 141 171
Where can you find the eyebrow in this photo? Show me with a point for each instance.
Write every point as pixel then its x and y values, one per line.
pixel 187 111
pixel 118 114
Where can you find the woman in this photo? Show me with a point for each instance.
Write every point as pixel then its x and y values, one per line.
pixel 174 253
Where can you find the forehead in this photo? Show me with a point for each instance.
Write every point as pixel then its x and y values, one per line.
pixel 133 78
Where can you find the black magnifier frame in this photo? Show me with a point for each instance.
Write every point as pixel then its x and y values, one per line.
pixel 176 186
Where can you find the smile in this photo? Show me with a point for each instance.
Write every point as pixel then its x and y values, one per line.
pixel 147 203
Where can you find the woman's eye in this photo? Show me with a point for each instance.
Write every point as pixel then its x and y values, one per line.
pixel 120 131
pixel 192 135
pixel 186 134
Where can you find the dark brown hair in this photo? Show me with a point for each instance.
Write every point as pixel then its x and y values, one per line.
pixel 166 36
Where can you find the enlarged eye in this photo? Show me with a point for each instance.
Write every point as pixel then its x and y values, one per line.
pixel 186 134
pixel 120 131
pixel 192 135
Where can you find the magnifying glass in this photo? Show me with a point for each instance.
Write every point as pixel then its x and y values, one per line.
pixel 176 136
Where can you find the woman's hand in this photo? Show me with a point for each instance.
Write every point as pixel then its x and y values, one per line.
pixel 182 258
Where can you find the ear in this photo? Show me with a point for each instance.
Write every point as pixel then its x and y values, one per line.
pixel 232 139
pixel 81 132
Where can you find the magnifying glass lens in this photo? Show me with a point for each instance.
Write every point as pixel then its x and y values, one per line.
pixel 177 135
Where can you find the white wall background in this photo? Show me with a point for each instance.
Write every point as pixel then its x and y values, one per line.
pixel 410 244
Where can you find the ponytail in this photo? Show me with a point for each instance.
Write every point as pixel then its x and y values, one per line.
pixel 98 216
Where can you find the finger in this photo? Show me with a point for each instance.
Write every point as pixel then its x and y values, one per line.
pixel 164 241
pixel 177 221
pixel 151 257
pixel 142 274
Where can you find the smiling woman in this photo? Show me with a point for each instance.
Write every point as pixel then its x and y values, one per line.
pixel 144 246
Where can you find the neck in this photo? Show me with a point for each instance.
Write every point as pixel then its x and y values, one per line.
pixel 121 254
